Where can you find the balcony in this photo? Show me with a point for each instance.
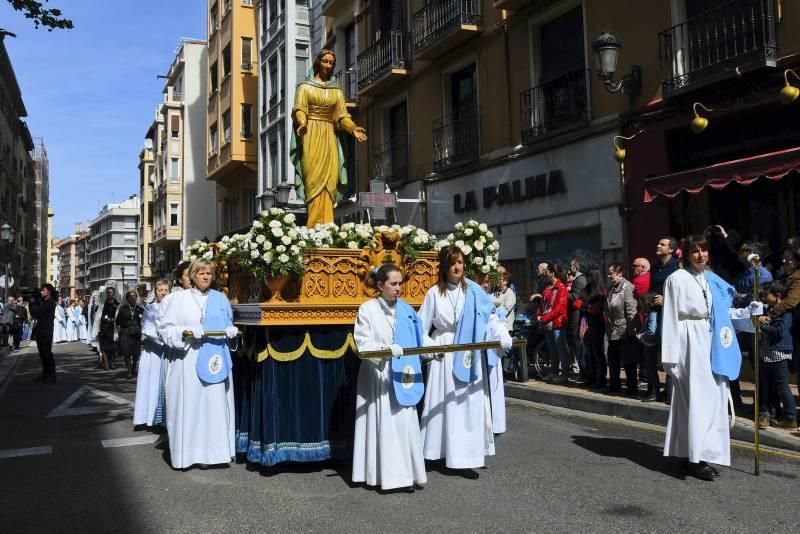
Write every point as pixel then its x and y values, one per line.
pixel 384 63
pixel 443 25
pixel 456 139
pixel 711 47
pixel 390 162
pixel 331 7
pixel 555 106
pixel 347 79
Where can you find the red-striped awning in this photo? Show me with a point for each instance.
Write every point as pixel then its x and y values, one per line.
pixel 745 171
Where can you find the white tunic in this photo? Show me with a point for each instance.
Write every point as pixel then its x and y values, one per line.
pixel 698 416
pixel 72 324
pixel 456 420
pixel 60 325
pixel 148 382
pixel 387 448
pixel 200 417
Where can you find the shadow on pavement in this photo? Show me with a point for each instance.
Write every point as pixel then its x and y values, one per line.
pixel 646 455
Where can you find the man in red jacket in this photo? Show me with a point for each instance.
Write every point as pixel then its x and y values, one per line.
pixel 553 320
pixel 641 277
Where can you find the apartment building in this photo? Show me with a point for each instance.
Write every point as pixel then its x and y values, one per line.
pixel 114 246
pixel 41 213
pixel 232 151
pixel 54 265
pixel 741 171
pixel 51 251
pixel 67 264
pixel 285 58
pixel 82 249
pixel 491 110
pixel 147 189
pixel 17 180
pixel 173 166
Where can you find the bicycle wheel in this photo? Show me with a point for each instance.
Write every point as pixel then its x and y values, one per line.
pixel 540 358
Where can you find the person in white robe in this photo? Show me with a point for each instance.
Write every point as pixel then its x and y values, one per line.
pixel 456 419
pixel 149 377
pixel 698 428
pixel 73 321
pixel 60 323
pixel 387 448
pixel 200 415
pixel 82 321
pixel 497 390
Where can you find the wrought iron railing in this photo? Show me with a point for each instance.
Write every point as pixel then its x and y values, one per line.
pixel 555 105
pixel 716 44
pixel 390 162
pixel 391 52
pixel 347 79
pixel 456 139
pixel 441 18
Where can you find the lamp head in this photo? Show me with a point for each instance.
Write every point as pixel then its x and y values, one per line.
pixel 699 124
pixel 619 155
pixel 789 93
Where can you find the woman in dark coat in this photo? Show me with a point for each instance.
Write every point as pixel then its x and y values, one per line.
pixel 105 335
pixel 129 331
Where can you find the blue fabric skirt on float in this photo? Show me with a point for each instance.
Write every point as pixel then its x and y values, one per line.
pixel 295 394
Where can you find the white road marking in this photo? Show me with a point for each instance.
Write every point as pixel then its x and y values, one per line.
pixel 32 451
pixel 127 442
pixel 65 410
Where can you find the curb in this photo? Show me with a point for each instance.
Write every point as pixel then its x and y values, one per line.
pixel 651 413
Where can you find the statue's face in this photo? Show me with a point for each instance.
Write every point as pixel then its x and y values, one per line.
pixel 326 65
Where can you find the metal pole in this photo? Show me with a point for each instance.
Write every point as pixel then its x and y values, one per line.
pixel 436 349
pixel 755 260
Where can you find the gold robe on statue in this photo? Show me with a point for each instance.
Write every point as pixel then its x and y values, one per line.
pixel 318 158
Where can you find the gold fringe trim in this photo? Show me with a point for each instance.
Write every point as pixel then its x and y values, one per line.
pixel 306 345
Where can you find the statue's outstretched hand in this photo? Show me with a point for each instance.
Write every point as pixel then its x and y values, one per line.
pixel 360 134
pixel 301 130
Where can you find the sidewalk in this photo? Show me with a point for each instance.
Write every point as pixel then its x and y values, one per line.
pixel 578 398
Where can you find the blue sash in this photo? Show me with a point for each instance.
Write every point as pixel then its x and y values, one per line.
pixel 478 307
pixel 214 358
pixel 726 358
pixel 407 370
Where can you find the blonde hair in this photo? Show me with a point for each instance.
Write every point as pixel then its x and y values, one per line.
pixel 200 263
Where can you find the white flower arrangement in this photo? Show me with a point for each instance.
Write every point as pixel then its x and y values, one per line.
pixel 266 243
pixel 481 250
pixel 197 250
pixel 353 236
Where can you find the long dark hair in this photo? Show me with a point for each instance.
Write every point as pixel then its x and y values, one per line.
pixel 447 257
pixel 381 274
pixel 179 270
pixel 690 244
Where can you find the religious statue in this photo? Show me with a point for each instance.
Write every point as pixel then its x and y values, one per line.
pixel 319 110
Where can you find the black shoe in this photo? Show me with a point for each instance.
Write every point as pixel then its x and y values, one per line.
pixel 49 379
pixel 714 470
pixel 631 392
pixel 471 474
pixel 597 386
pixel 40 378
pixel 652 397
pixel 703 472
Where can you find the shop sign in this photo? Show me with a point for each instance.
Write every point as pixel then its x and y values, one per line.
pixel 513 192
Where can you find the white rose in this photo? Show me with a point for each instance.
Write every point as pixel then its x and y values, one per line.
pixel 466 249
pixel 417 240
pixel 275 211
pixel 225 239
pixel 277 232
pixel 483 228
pixel 264 213
pixel 478 260
pixel 468 232
pixel 479 245
pixel 280 249
pixel 286 240
pixel 451 237
pixel 443 243
pixel 485 269
pixel 352 244
pixel 254 254
pixel 192 258
pixel 267 245
pixel 460 244
pixel 343 235
pixel 274 224
pixel 283 258
pixel 257 225
pixel 222 247
pixel 301 243
pixel 295 249
pixel 489 235
pixel 289 219
pixel 459 226
pixel 267 257
pixel 292 233
pixel 260 239
pixel 252 245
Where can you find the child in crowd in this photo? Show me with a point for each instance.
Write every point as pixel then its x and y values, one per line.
pixel 647 335
pixel 776 352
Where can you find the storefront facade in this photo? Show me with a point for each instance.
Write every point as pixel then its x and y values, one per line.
pixel 549 206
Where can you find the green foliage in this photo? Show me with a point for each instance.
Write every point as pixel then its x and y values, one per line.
pixel 51 19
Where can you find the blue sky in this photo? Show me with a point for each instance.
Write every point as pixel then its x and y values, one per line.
pixel 91 92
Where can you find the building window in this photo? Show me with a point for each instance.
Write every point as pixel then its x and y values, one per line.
pixel 273 10
pixel 174 127
pixel 173 214
pixel 130 256
pixel 247 120
pixel 301 61
pixel 273 79
pixel 226 6
pixel 150 213
pixel 247 3
pixel 130 238
pixel 247 54
pixel 226 61
pixel 212 77
pixel 282 54
pixel 264 89
pixel 226 127
pixel 273 162
pixel 213 140
pixel 174 170
pixel 213 20
pixel 232 211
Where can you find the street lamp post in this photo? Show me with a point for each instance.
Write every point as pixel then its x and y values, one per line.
pixel 122 272
pixel 7 235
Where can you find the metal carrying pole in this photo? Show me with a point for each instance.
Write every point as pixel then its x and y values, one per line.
pixel 755 260
pixel 416 351
pixel 210 333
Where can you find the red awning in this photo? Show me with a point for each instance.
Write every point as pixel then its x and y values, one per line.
pixel 745 171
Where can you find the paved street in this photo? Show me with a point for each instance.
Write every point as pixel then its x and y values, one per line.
pixel 554 471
